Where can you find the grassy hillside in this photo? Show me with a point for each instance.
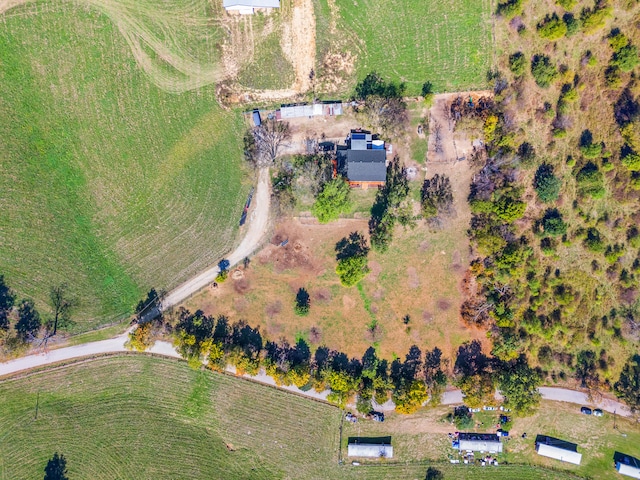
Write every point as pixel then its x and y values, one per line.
pixel 446 42
pixel 106 182
pixel 141 417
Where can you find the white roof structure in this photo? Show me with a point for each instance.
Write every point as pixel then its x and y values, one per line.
pixel 559 450
pixel 369 450
pixel 246 6
pixel 310 110
pixel 628 466
pixel 479 442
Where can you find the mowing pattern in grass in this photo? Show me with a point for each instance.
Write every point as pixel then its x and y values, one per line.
pixel 269 69
pixel 106 182
pixel 446 42
pixel 138 417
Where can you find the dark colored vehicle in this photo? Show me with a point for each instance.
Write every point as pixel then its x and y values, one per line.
pixel 504 419
pixel 598 413
pixel 586 410
pixel 376 416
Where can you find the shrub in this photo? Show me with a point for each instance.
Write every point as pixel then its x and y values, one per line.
pixel 546 184
pixel 572 23
pixel 566 4
pixel 617 40
pixel 588 148
pixel 552 27
pixel 626 58
pixel 594 18
pixel 302 302
pixel 509 209
pixel 632 161
pixel 222 276
pixel 590 181
pixel 510 8
pixel 543 71
pixel 633 236
pixel 553 223
pixel 517 63
pixel 352 259
pixel 593 241
pixel 527 153
pixel 612 77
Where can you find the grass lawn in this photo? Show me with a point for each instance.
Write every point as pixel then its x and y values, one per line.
pixel 107 182
pixel 138 417
pixel 446 42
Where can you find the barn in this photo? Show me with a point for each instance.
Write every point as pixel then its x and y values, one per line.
pixel 558 449
pixel 626 465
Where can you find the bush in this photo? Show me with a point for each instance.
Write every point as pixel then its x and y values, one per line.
pixel 552 27
pixel 517 63
pixel 374 85
pixel 626 58
pixel 632 161
pixel 566 4
pixel 594 18
pixel 593 241
pixel 572 23
pixel 546 184
pixel 590 181
pixel 553 223
pixel 302 302
pixel 352 259
pixel 510 8
pixel 544 73
pixel 612 77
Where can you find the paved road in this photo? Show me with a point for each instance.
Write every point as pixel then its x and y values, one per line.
pixel 257 228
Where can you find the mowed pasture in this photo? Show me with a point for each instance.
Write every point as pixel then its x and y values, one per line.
pixel 446 42
pixel 107 182
pixel 140 417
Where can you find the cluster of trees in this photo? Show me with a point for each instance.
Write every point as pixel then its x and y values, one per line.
pixel 28 325
pixel 384 107
pixel 263 143
pixel 563 316
pixel 390 205
pixel 351 255
pixel 437 197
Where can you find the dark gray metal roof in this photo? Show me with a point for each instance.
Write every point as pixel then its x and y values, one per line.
pixel 366 165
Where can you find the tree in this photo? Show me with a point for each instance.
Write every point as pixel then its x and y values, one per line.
pixel 626 59
pixel 351 254
pixel 373 85
pixel 387 115
pixel 269 137
pixel 543 71
pixel 517 63
pixel 628 385
pixel 61 304
pixel 56 468
pixel 553 224
pixel 590 181
pixel 519 383
pixel 437 196
pixel 332 201
pixel 29 321
pixel 302 302
pixel 552 27
pixel 7 300
pixel 546 184
pixel 433 474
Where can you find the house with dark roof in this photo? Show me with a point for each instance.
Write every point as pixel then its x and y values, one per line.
pixel 364 161
pixel 247 7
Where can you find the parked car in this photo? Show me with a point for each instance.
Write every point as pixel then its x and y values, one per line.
pixel 586 410
pixel 474 410
pixel 504 419
pixel 376 416
pixel 489 409
pixel 502 433
pixel 598 413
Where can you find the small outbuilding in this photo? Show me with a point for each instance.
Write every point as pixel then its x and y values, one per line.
pixel 370 447
pixel 478 442
pixel 558 449
pixel 247 7
pixel 627 465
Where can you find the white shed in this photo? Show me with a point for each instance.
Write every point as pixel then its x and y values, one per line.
pixel 479 442
pixel 558 449
pixel 246 7
pixel 369 450
pixel 628 466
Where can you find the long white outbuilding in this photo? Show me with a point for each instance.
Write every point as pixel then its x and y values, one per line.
pixel 558 449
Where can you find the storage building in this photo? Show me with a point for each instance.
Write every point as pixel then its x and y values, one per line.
pixel 626 465
pixel 479 442
pixel 558 449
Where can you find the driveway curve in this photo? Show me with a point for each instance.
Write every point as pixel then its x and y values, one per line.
pixel 257 228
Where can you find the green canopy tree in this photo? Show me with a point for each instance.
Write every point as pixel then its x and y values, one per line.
pixel 332 201
pixel 627 387
pixel 519 383
pixel 7 299
pixel 56 468
pixel 351 254
pixel 29 321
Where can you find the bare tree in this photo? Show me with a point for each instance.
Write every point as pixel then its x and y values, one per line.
pixel 387 115
pixel 437 137
pixel 62 304
pixel 269 137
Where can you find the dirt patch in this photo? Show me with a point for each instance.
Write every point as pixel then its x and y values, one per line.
pixel 413 279
pixel 347 302
pixel 273 309
pixel 375 269
pixel 241 286
pixel 237 274
pixel 427 317
pixel 240 305
pixel 295 255
pixel 322 295
pixel 424 246
pixel 443 304
pixel 378 294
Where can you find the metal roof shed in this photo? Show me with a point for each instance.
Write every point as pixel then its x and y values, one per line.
pixel 558 449
pixel 369 450
pixel 479 442
pixel 626 465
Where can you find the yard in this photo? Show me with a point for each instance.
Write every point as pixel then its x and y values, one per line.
pixel 142 417
pixel 108 182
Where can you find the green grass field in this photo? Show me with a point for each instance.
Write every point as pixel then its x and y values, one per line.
pixel 107 182
pixel 446 42
pixel 138 417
